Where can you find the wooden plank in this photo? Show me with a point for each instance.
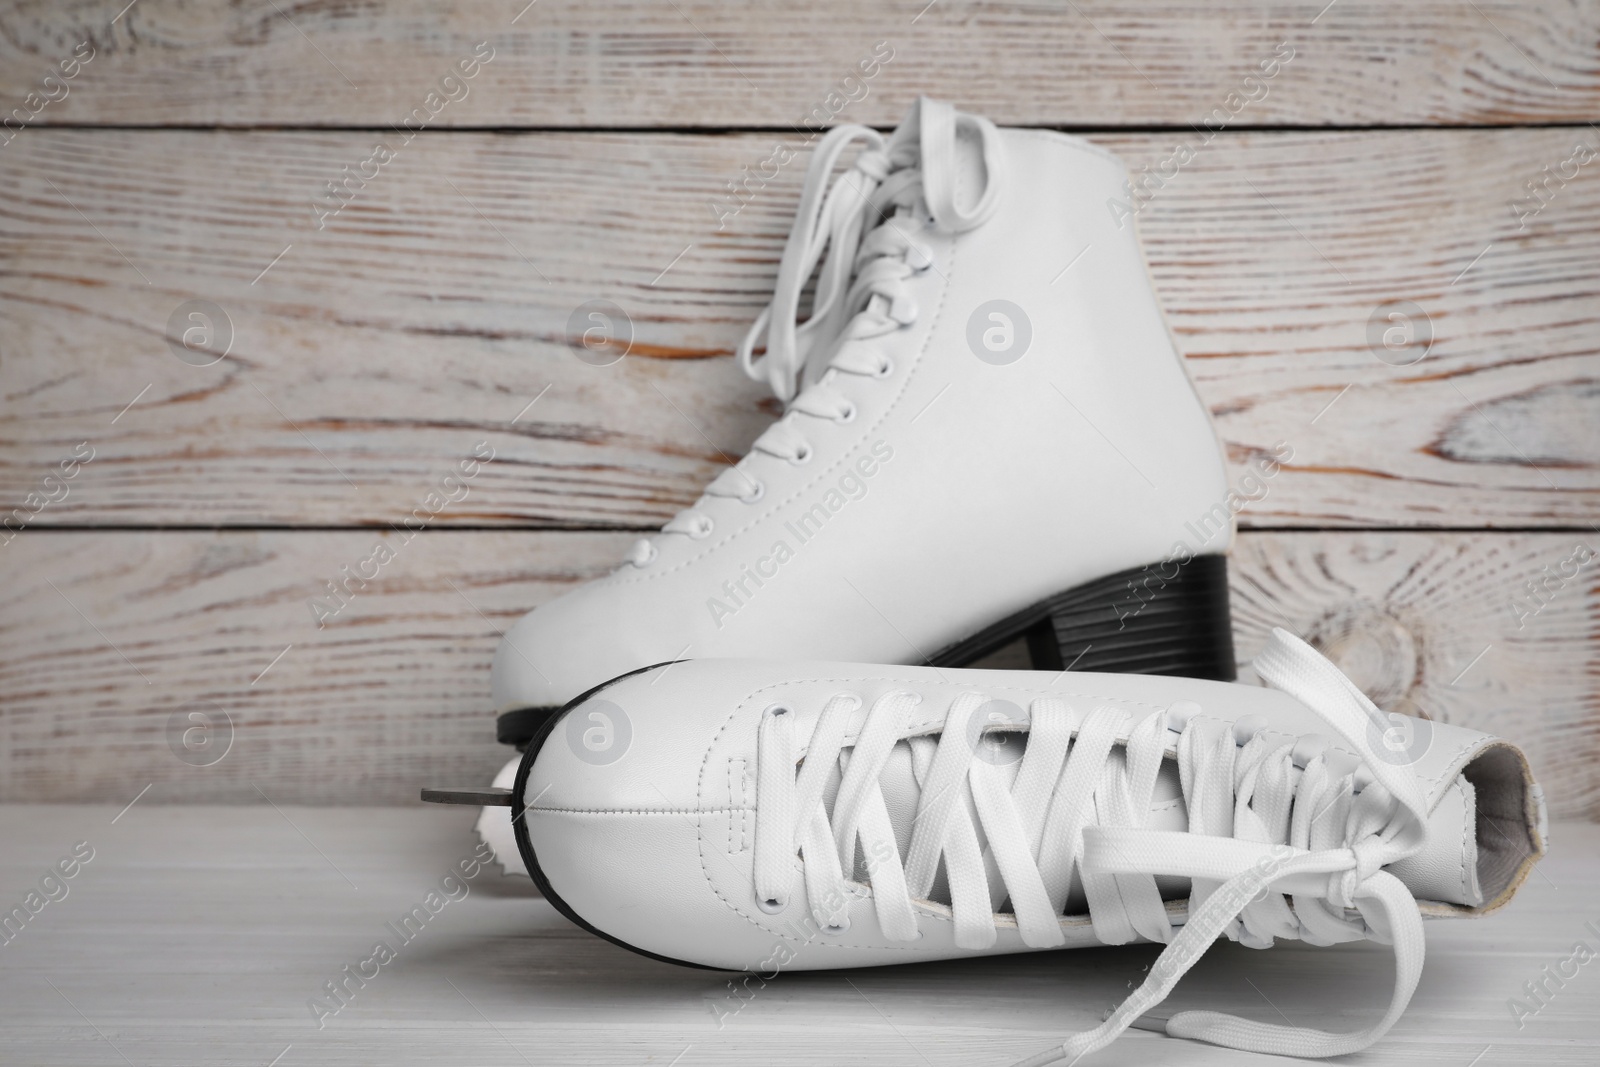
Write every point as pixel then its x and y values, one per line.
pixel 106 636
pixel 370 357
pixel 675 64
pixel 198 934
pixel 392 690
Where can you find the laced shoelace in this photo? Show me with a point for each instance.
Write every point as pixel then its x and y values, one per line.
pixel 872 223
pixel 1285 839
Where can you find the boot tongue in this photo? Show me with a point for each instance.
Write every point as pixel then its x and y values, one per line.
pixel 958 155
pixel 1446 870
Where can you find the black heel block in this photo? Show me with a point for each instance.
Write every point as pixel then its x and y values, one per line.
pixel 1163 618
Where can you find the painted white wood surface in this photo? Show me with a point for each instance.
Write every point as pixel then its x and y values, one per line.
pixel 371 356
pixel 196 935
pixel 105 637
pixel 679 63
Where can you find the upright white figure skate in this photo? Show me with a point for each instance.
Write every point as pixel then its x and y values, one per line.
pixel 989 438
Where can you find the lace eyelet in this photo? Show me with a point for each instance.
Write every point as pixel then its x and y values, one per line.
pixel 1308 748
pixel 1179 714
pixel 1246 729
pixel 885 369
pixel 703 529
pixel 776 710
pixel 803 456
pixel 755 494
pixel 848 416
pixel 843 928
pixel 772 907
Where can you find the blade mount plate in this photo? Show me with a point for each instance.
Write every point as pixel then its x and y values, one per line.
pixel 478 796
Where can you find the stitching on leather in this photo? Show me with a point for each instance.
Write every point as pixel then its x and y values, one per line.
pixel 746 820
pixel 744 802
pixel 731 800
pixel 1465 746
pixel 700 837
pixel 737 797
pixel 852 889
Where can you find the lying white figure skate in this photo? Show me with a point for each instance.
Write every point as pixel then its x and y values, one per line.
pixel 773 816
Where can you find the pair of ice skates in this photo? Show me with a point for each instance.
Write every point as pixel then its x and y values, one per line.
pixel 759 744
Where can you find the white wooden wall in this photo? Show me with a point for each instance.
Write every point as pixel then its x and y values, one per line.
pixel 1388 161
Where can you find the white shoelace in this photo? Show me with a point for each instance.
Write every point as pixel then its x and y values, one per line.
pixel 871 222
pixel 1284 840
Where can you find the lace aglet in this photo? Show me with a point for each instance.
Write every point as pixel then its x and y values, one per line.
pixel 1155 1022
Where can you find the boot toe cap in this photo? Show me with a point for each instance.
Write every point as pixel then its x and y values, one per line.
pixel 567 646
pixel 632 833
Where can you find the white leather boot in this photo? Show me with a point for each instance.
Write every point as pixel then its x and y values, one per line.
pixel 770 816
pixel 989 437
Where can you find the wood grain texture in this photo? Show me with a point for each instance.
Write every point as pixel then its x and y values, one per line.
pixel 370 356
pixel 196 935
pixel 676 64
pixel 1500 633
pixel 105 637
pixel 392 690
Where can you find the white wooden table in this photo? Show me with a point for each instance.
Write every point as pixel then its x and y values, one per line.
pixel 196 935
